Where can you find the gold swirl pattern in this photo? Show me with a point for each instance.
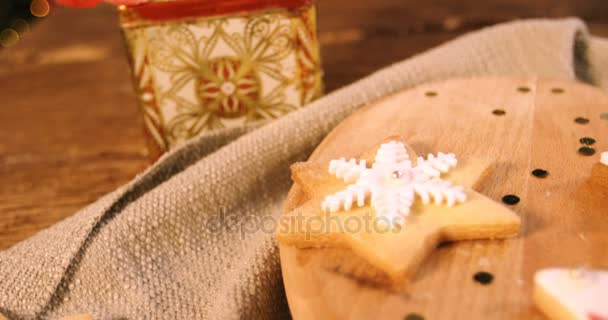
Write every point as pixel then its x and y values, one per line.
pixel 226 71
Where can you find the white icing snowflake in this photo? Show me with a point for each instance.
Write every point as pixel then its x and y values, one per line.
pixel 392 182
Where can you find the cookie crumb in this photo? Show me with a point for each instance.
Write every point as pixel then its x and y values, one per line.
pixel 484 262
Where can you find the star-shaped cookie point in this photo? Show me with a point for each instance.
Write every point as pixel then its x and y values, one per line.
pixel 395 250
pixel 392 183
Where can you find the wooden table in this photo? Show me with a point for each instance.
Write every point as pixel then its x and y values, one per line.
pixel 563 221
pixel 69 125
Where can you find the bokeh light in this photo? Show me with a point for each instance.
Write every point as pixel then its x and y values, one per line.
pixel 17 18
pixel 21 26
pixel 9 37
pixel 40 8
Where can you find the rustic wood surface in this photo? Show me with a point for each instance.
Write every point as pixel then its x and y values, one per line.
pixel 69 126
pixel 563 215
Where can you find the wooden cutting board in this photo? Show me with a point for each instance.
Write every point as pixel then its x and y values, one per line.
pixel 521 124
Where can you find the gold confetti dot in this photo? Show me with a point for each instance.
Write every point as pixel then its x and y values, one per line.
pixel 39 8
pixel 9 37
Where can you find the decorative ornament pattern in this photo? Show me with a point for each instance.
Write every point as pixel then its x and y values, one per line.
pixel 393 182
pixel 223 71
pixel 148 103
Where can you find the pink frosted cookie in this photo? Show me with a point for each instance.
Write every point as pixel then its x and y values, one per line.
pixel 572 294
pixel 604 158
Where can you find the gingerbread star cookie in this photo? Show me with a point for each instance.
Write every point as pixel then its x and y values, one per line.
pixel 392 208
pixel 572 294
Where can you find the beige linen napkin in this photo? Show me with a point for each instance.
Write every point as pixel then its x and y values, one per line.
pixel 191 238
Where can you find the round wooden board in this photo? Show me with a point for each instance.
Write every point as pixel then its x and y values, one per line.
pixel 564 216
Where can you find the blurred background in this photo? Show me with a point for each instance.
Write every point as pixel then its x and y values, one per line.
pixel 70 129
pixel 16 17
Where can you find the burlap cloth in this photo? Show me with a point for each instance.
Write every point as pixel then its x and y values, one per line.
pixel 180 240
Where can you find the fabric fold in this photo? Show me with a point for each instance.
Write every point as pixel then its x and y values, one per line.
pixel 186 239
